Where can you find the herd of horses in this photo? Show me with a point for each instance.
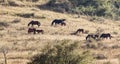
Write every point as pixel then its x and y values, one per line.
pixel 62 23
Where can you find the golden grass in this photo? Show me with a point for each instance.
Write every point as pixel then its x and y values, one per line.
pixel 24 45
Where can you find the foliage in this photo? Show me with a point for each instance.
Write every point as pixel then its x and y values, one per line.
pixel 63 53
pixel 106 8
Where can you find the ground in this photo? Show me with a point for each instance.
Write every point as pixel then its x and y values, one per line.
pixel 22 45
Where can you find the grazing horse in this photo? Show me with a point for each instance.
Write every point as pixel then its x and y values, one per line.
pixel 40 31
pixel 30 30
pixel 94 36
pixel 106 35
pixel 58 21
pixel 34 23
pixel 80 30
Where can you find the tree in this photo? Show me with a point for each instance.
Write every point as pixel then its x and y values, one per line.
pixel 4 50
pixel 62 54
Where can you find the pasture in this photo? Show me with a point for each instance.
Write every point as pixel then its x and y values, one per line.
pixel 21 45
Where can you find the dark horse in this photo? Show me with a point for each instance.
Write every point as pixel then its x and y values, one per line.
pixel 40 31
pixel 105 35
pixel 94 36
pixel 59 21
pixel 34 23
pixel 80 30
pixel 32 30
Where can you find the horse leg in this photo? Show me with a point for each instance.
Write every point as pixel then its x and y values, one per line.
pixel 34 32
pixel 28 32
pixel 38 32
pixel 42 32
pixel 82 31
pixel 38 25
pixel 109 37
pixel 55 24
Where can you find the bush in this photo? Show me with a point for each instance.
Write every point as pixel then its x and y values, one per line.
pixel 4 24
pixel 26 15
pixel 104 8
pixel 63 53
pixel 92 45
pixel 15 3
pixel 16 20
pixel 99 56
pixel 32 0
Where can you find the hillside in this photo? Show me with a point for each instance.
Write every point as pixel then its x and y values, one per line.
pixel 21 45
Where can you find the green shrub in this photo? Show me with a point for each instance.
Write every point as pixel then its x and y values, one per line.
pixel 106 8
pixel 63 53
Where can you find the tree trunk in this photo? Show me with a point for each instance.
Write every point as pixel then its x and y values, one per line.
pixel 5 57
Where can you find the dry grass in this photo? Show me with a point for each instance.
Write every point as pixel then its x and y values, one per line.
pixel 23 46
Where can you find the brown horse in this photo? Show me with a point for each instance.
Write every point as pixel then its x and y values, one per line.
pixel 58 21
pixel 40 31
pixel 32 30
pixel 34 23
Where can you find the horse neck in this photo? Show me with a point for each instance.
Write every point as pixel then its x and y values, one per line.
pixel 52 23
pixel 29 24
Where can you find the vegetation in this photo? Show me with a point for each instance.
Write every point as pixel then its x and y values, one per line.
pixel 106 8
pixel 16 14
pixel 63 53
pixel 4 24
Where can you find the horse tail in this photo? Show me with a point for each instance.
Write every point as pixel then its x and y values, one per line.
pixel 52 23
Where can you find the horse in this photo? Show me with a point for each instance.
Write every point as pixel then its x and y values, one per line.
pixel 34 23
pixel 40 31
pixel 80 30
pixel 30 30
pixel 106 35
pixel 94 36
pixel 59 21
